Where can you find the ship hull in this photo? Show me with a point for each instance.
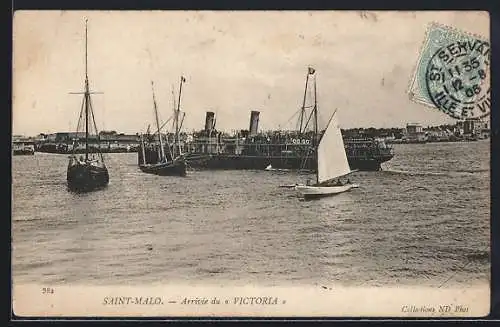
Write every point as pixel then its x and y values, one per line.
pixel 262 162
pixel 229 162
pixel 316 192
pixel 85 177
pixel 367 164
pixel 177 168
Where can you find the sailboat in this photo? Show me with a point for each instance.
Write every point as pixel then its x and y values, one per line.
pixel 87 172
pixel 172 165
pixel 331 159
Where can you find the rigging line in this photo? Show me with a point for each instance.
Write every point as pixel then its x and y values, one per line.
pixel 164 124
pixel 174 106
pixel 182 120
pixel 167 143
pixel 305 159
pixel 78 126
pixel 90 92
pixel 462 268
pixel 96 131
pixel 308 121
pixel 161 127
pixel 81 113
pixel 296 112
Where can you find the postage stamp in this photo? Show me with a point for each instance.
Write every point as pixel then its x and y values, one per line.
pixel 453 73
pixel 194 164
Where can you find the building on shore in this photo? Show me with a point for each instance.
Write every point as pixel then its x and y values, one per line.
pixel 414 133
pixel 475 128
pixel 65 142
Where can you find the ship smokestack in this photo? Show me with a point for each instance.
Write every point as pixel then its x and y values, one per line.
pixel 209 121
pixel 254 122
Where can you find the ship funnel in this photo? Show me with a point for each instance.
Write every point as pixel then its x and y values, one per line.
pixel 209 121
pixel 254 122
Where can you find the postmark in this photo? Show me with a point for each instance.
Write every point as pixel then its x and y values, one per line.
pixel 453 73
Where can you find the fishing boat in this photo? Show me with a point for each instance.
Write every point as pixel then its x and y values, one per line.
pixel 21 148
pixel 171 164
pixel 87 172
pixel 332 163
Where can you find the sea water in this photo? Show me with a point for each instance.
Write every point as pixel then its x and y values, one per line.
pixel 423 220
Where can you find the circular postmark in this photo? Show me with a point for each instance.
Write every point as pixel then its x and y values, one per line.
pixel 458 79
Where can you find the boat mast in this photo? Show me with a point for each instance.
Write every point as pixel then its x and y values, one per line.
pixel 143 150
pixel 174 108
pixel 315 112
pixel 87 96
pixel 303 110
pixel 162 151
pixel 177 117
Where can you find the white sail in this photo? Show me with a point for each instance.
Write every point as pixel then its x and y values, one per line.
pixel 332 159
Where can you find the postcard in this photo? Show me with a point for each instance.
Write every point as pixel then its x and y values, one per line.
pixel 251 164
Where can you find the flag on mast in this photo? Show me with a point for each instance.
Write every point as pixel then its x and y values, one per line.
pixel 311 70
pixel 183 79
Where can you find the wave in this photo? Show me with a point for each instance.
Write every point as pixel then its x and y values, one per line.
pixel 417 188
pixel 483 256
pixel 413 173
pixel 48 183
pixel 472 171
pixel 466 172
pixel 26 220
pixel 270 168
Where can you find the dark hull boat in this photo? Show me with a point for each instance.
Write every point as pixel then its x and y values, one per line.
pixel 261 161
pixel 86 176
pixel 22 149
pixel 158 162
pixel 23 152
pixel 173 168
pixel 87 172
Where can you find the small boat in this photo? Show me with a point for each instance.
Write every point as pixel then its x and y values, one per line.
pixel 87 172
pixel 175 163
pixel 332 161
pixel 21 148
pixel 172 168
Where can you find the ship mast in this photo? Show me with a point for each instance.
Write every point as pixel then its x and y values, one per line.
pixel 177 117
pixel 87 103
pixel 316 138
pixel 162 150
pixel 174 108
pixel 87 96
pixel 303 109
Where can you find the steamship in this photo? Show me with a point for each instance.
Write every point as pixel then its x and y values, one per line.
pixel 254 150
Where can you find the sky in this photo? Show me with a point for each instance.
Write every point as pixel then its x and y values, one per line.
pixel 233 62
